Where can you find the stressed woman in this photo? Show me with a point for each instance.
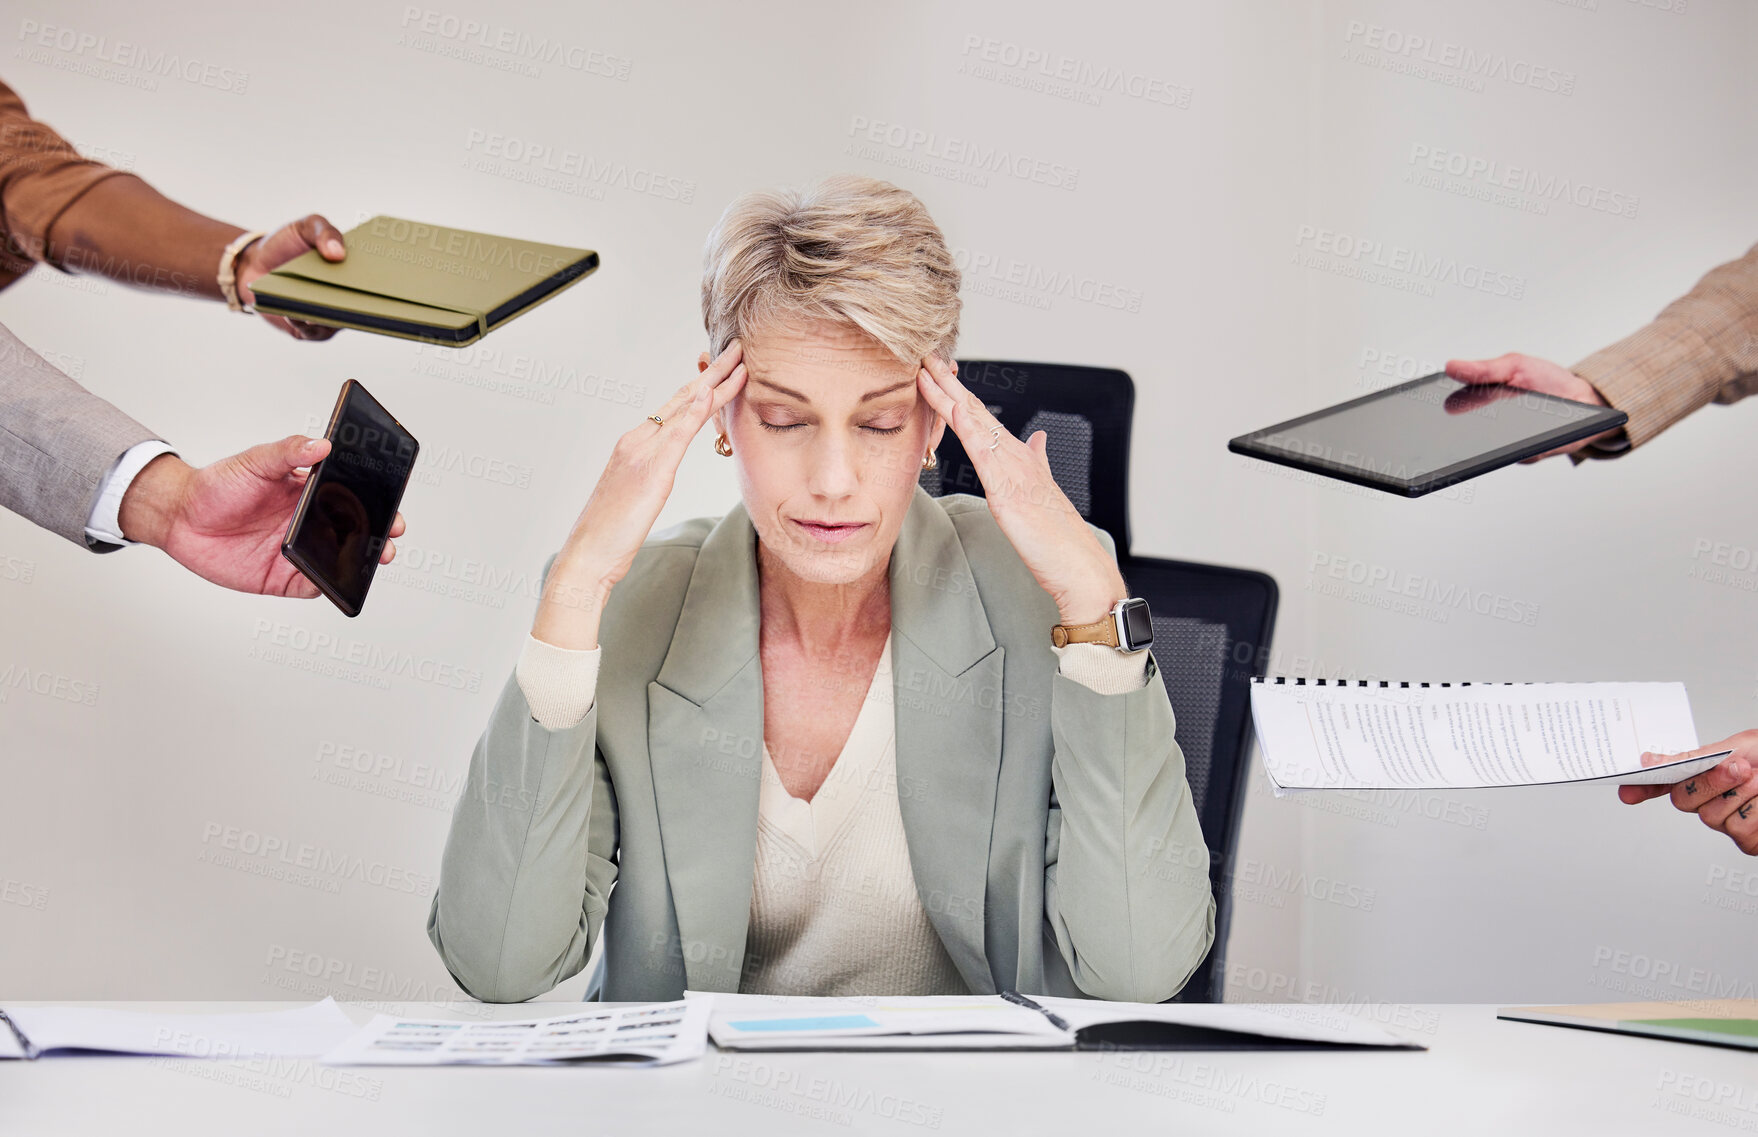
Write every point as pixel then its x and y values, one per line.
pixel 827 744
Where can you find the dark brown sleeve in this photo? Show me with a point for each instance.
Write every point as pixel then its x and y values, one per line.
pixel 41 175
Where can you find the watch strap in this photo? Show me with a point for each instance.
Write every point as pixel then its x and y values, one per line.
pixel 1104 632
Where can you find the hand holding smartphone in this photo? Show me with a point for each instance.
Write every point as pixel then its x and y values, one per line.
pixel 344 517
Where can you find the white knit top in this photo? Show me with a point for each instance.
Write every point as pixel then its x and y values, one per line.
pixel 834 907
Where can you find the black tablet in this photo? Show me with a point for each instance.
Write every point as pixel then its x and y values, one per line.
pixel 1429 433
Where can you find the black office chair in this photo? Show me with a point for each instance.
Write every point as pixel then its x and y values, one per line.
pixel 1083 411
pixel 1212 628
pixel 1212 624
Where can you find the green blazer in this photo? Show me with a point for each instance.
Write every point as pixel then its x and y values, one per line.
pixel 1050 828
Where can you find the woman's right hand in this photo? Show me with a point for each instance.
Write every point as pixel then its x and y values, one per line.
pixel 630 493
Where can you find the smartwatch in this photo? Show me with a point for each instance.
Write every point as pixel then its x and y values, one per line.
pixel 1127 627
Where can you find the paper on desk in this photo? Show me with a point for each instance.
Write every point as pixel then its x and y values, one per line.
pixel 304 1032
pixel 651 1034
pixel 1347 736
pixel 1296 1021
pixel 9 1046
pixel 954 1022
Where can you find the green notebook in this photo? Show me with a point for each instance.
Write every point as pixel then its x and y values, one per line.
pixel 422 282
pixel 1718 1022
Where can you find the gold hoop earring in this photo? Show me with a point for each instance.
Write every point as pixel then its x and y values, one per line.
pixel 723 446
pixel 931 461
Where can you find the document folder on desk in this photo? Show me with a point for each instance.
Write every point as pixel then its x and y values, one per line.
pixel 1016 1022
pixel 422 282
pixel 1712 1022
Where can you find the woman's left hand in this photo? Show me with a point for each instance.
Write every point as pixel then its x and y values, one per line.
pixel 1056 543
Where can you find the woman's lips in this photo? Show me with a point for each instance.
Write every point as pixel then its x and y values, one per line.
pixel 832 533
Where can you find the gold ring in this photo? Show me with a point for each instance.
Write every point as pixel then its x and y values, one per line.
pixel 656 419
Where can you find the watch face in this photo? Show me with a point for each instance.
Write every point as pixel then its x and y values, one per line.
pixel 1138 625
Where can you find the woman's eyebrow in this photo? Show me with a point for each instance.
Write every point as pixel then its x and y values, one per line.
pixel 883 391
pixel 780 390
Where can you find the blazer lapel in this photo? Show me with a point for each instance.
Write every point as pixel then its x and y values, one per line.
pixel 947 677
pixel 705 742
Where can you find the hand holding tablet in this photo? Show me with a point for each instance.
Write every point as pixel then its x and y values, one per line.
pixel 1417 437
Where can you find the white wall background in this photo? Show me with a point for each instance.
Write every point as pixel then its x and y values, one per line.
pixel 1281 119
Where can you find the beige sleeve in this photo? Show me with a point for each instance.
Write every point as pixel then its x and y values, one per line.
pixel 559 683
pixel 1104 669
pixel 1702 348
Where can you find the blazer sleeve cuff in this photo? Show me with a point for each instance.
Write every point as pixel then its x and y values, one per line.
pixel 559 683
pixel 1103 669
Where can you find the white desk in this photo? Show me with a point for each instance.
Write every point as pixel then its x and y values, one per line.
pixel 1480 1077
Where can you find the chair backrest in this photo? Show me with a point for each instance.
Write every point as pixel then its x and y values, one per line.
pixel 1212 628
pixel 1212 624
pixel 1084 413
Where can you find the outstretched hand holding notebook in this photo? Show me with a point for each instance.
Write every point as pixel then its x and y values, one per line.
pixel 423 282
pixel 1362 735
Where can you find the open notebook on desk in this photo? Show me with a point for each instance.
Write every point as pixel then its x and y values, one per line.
pixel 303 1032
pixel 1017 1022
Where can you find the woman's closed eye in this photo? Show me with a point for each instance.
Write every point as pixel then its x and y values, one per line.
pixel 874 427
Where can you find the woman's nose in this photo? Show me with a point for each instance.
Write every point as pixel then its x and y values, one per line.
pixel 834 468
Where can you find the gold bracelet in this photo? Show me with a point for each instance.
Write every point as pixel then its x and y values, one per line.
pixel 229 271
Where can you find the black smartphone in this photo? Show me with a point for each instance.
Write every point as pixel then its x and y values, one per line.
pixel 344 516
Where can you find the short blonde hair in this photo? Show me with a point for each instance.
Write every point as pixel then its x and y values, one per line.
pixel 852 250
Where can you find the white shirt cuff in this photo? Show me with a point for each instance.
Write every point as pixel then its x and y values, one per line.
pixel 1104 669
pixel 559 683
pixel 105 522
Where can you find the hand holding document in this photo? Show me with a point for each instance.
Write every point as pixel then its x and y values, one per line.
pixel 647 1034
pixel 1317 735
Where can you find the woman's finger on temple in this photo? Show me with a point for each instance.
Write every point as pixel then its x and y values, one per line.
pixel 728 389
pixel 944 404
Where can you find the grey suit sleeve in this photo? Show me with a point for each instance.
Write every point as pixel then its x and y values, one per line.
pixel 529 863
pixel 1126 878
pixel 57 441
